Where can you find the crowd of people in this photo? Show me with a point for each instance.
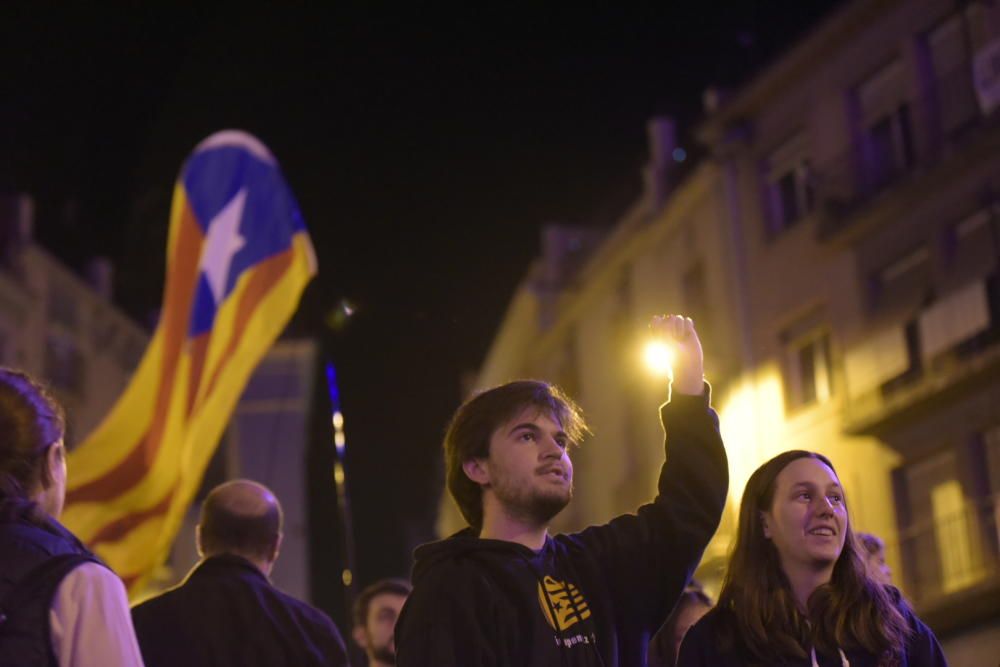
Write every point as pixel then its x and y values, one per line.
pixel 802 587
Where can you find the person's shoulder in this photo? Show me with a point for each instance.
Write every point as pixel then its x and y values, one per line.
pixel 305 611
pixel 458 564
pixel 704 642
pixel 88 576
pixel 715 619
pixel 708 628
pixel 156 605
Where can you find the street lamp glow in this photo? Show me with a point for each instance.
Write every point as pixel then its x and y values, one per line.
pixel 659 357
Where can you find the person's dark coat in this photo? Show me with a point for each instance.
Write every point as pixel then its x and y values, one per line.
pixel 226 613
pixel 702 647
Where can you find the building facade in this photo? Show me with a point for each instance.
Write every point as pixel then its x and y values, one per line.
pixel 866 173
pixel 65 330
pixel 840 252
pixel 60 327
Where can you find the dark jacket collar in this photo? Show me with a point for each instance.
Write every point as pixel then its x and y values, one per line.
pixel 226 564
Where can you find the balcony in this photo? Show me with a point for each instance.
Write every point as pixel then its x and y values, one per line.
pixel 951 568
pixel 936 375
pixel 922 135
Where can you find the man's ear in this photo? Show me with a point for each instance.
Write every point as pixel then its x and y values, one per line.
pixel 53 460
pixel 360 637
pixel 277 547
pixel 475 469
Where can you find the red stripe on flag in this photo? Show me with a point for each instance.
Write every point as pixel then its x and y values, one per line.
pixel 177 300
pixel 198 351
pixel 264 278
pixel 119 528
pixel 130 579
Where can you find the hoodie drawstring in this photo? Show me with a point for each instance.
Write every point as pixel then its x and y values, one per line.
pixel 844 662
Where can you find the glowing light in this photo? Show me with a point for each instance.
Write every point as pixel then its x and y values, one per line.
pixel 659 357
pixel 339 440
pixel 679 154
pixel 338 420
pixel 338 475
pixel 347 577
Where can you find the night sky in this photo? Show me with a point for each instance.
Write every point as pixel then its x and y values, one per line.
pixel 425 147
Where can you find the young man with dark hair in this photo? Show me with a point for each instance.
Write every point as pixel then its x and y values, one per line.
pixel 226 612
pixel 504 591
pixel 375 613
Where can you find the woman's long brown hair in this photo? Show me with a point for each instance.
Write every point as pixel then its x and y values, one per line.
pixel 852 611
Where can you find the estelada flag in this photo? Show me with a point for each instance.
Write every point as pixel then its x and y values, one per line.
pixel 238 258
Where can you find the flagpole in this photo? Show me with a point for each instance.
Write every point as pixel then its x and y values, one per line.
pixel 340 483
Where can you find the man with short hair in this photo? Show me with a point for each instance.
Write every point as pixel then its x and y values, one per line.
pixel 504 591
pixel 226 612
pixel 375 614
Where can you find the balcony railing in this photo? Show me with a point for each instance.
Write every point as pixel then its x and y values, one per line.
pixel 951 555
pixel 920 133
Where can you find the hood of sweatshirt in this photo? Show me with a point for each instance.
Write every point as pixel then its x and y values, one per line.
pixel 467 544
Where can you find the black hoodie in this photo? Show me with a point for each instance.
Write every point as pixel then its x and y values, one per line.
pixel 588 598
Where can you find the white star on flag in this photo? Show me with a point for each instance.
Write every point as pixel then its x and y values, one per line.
pixel 222 242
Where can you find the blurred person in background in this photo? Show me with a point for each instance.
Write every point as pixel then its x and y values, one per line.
pixel 875 557
pixel 665 644
pixel 375 613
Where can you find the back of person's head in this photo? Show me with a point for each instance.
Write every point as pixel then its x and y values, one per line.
pixel 394 586
pixel 873 544
pixel 31 421
pixel 474 423
pixel 874 550
pixel 851 610
pixel 243 518
pixel 691 606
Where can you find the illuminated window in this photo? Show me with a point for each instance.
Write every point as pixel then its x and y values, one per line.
pixel 953 519
pixel 809 373
pixel 940 528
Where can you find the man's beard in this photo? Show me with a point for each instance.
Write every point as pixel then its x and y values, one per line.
pixel 531 504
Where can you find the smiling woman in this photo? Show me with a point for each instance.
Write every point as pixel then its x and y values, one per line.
pixel 797 591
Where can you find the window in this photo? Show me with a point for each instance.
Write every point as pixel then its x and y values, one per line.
pixel 970 246
pixel 809 372
pixel 788 185
pixel 63 308
pixel 952 535
pixel 885 127
pixel 814 377
pixel 64 365
pixel 991 442
pixel 946 49
pixel 941 539
pixel 902 282
pixel 914 365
